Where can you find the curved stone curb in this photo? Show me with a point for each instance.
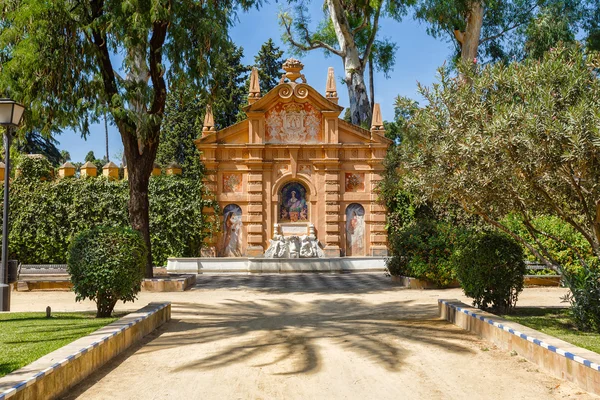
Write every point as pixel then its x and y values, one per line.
pixel 41 378
pixel 533 345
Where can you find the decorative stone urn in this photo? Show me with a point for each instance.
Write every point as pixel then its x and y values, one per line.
pixel 292 68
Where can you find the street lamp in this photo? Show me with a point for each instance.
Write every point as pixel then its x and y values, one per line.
pixel 11 114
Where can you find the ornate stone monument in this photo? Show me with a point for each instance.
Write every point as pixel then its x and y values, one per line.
pixel 295 180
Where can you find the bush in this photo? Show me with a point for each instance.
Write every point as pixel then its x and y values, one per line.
pixel 490 269
pixel 584 297
pixel 424 249
pixel 46 215
pixel 567 256
pixel 107 265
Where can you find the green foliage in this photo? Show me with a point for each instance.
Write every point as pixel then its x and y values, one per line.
pixel 557 322
pixel 182 124
pixel 27 336
pixel 490 269
pixel 268 61
pixel 106 265
pixel 177 223
pixel 513 28
pixel 34 168
pixel 71 62
pixel 34 143
pixel 584 297
pixel 424 249
pixel 46 215
pixel 91 157
pixel 565 246
pixel 227 86
pixel 521 138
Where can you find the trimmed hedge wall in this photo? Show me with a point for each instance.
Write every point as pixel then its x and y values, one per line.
pixel 46 215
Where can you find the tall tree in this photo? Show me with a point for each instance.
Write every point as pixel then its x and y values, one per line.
pixel 349 30
pixel 181 126
pixel 523 138
pixel 494 30
pixel 34 143
pixel 185 109
pixel 227 92
pixel 70 59
pixel 268 61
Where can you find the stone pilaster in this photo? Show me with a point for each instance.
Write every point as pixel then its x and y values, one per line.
pixel 255 219
pixel 209 246
pixel 377 219
pixel 332 213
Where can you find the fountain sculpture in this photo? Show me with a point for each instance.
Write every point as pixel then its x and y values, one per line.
pixel 305 246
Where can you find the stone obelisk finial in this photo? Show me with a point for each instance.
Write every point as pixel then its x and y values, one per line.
pixel 377 121
pixel 209 121
pixel 330 89
pixel 254 91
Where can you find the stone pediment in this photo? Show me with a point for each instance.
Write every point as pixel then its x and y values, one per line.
pixel 292 113
pixel 296 93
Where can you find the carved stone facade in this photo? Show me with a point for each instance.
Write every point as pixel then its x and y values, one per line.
pixel 295 163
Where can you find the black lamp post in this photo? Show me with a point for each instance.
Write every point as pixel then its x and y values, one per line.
pixel 11 114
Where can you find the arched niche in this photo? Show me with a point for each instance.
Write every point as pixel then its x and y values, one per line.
pixel 355 230
pixel 230 244
pixel 293 203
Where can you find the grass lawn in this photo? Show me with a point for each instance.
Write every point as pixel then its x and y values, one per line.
pixel 25 337
pixel 556 322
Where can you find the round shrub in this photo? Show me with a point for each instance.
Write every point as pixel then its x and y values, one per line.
pixel 424 249
pixel 107 265
pixel 490 269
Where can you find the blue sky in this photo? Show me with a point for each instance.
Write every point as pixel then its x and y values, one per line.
pixel 417 59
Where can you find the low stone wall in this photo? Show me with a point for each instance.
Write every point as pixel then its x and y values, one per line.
pixel 275 265
pixel 414 283
pixel 177 283
pixel 54 373
pixel 542 280
pixel 554 356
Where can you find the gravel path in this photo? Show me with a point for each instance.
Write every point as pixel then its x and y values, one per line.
pixel 311 337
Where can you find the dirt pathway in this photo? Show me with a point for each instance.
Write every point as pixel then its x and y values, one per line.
pixel 357 337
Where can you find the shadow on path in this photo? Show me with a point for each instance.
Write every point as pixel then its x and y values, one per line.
pixel 240 331
pixel 300 282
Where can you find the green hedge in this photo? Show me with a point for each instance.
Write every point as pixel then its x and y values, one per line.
pixel 46 215
pixel 424 249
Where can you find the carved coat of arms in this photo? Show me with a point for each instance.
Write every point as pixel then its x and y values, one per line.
pixel 293 123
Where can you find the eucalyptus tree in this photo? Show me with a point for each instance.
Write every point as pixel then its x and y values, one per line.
pixel 349 30
pixel 68 60
pixel 522 138
pixel 494 30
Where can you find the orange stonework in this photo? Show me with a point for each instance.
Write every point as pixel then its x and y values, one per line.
pixel 294 162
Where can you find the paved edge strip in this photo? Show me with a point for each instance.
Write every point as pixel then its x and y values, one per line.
pixel 148 311
pixel 593 386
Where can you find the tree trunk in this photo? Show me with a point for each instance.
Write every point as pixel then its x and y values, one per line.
pixel 139 169
pixel 469 41
pixel 371 84
pixel 360 110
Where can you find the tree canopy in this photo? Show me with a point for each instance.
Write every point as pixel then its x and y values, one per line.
pixel 70 60
pixel 348 30
pixel 521 138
